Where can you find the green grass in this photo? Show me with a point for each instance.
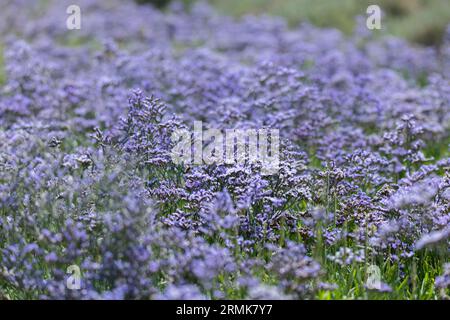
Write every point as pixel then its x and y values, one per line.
pixel 422 21
pixel 2 66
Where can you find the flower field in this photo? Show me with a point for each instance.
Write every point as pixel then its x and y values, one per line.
pixel 92 205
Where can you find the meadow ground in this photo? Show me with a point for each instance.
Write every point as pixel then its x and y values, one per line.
pixel 93 205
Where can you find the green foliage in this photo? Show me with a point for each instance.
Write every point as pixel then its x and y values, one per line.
pixel 2 67
pixel 422 21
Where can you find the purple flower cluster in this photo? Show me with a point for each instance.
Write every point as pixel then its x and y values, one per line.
pixel 86 177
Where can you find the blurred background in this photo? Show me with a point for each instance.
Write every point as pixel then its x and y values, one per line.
pixel 420 21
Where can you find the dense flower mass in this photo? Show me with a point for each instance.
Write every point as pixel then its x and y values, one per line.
pixel 86 178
